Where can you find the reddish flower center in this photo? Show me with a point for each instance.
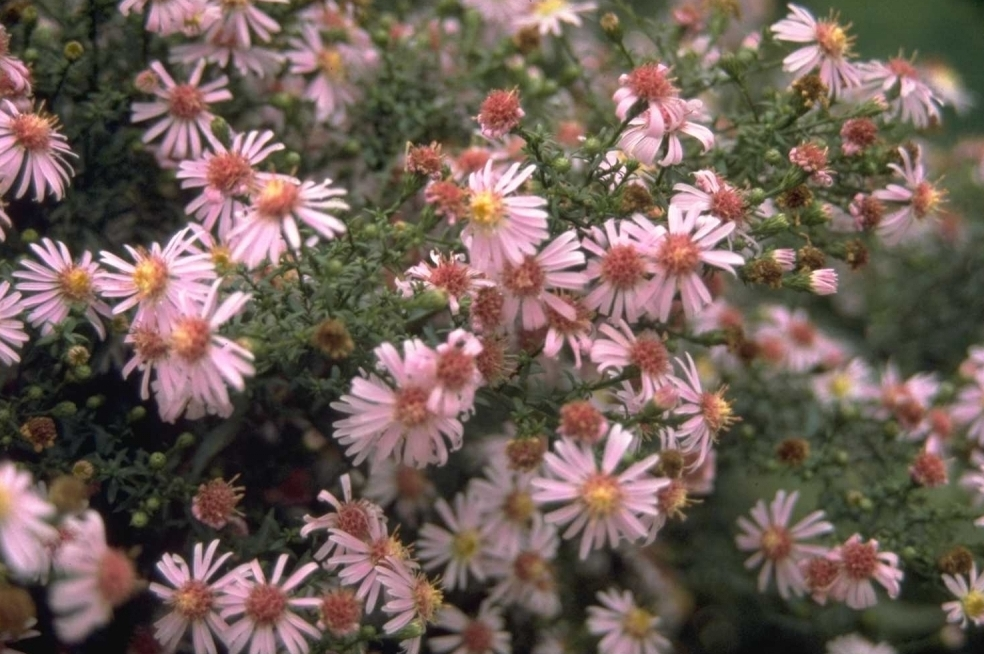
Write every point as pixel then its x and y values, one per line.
pixel 193 600
pixel 477 637
pixel 150 277
pixel 776 543
pixel 925 199
pixel 500 111
pixel 565 327
pixel 581 421
pixel 860 131
pixel 352 519
pixel 526 280
pixel 929 470
pixel 832 39
pixel 229 172
pixel 186 102
pixel 650 355
pixel 32 132
pixel 531 567
pixel 116 577
pixel 623 267
pixel 650 83
pixel 191 338
pixel 860 560
pixel 381 548
pixel 265 604
pixel 869 212
pixel 820 573
pixel 411 406
pixel 601 494
pixel 678 254
pixel 341 612
pixel 802 333
pixel 902 68
pixel 215 502
pixel 487 308
pixel 728 205
pixel 447 198
pixel 455 369
pixel 452 277
pixel 277 199
pixel 473 159
pixel 75 283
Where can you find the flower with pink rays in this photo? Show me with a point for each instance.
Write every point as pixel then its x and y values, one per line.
pixel 220 48
pixel 967 409
pixel 624 626
pixel 801 344
pixel 705 414
pixel 711 195
pixel 527 578
pixel 823 281
pixel 12 334
pixel 182 111
pixel 359 561
pixel 622 268
pixel 191 598
pixel 165 17
pixel 459 549
pixel 857 135
pixel 777 545
pixel 506 500
pixel 449 274
pixel 811 157
pixel 240 20
pixel 13 69
pixel 855 644
pixel 267 609
pixel 904 400
pixel 223 175
pixel 206 361
pixel 484 634
pixel 576 333
pixel 858 565
pixel 645 134
pixel 843 386
pixel 276 207
pixel 502 227
pixel 151 350
pixel 619 348
pixel 600 505
pixel 547 16
pixel 60 285
pixel 497 12
pixel 919 199
pixel 24 529
pixel 412 598
pixel 527 286
pixel 336 67
pixel 913 100
pixel 679 253
pixel 651 83
pixel 973 481
pixel 407 489
pixel 969 605
pixel 341 612
pixel 32 150
pixel 354 517
pixel 384 421
pixel 157 277
pixel 827 47
pixel 454 371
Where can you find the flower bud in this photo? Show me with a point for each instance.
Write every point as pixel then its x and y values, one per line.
pixel 83 470
pixel 185 440
pixel 157 460
pixel 69 494
pixel 73 51
pixel 95 401
pixel 612 27
pixel 136 414
pixel 65 409
pixel 139 519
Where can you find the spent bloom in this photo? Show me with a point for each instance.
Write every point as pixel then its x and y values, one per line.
pixel 826 46
pixel 500 113
pixel 969 605
pixel 32 150
pixel 624 626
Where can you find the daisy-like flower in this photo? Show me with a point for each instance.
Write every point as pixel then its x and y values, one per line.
pixel 801 344
pixel 11 68
pixel 412 598
pixel 240 21
pixel 624 626
pixel 459 548
pixel 576 332
pixel 855 644
pixel 151 350
pixel 650 82
pixel 969 605
pixel 191 599
pixel 222 48
pixel 907 401
pixel 777 545
pixel 600 505
pixel 484 634
pixel 156 278
pixel 54 288
pixel 454 371
pixel 858 565
pixel 267 609
pixel 223 176
pixel 94 579
pixel 12 335
pixel 276 207
pixel 215 504
pixel 919 199
pixel 527 577
pixel 502 227
pixel 449 274
pixel 386 421
pixel 24 530
pixel 705 414
pixel 354 517
pixel 646 133
pixel 341 612
pixel 506 499
pixel 527 287
pixel 359 561
pixel 827 47
pixel 548 15
pixel 679 253
pixel 967 409
pixel 844 385
pixel 165 16
pixel 711 195
pixel 912 100
pixel 404 487
pixel 32 150
pixel 182 111
pixel 619 348
pixel 621 267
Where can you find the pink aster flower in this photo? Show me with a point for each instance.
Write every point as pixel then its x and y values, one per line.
pixel 240 21
pixel 502 227
pixel 647 132
pixel 24 529
pixel 276 207
pixel 151 351
pixel 575 333
pixel 157 277
pixel 969 605
pixel 385 420
pixel 407 489
pixel 267 609
pixel 907 401
pixel 484 634
pixel 858 565
pixel 191 598
pixel 222 48
pixel 827 47
pixel 12 335
pixel 712 195
pixel 182 111
pixel 359 561
pixel 459 548
pixel 547 15
pixel 798 344
pixel 60 285
pixel 624 626
pixel 527 577
pixel 454 370
pixel 777 545
pixel 33 151
pixel 912 99
pixel 967 409
pixel 223 176
pixel 706 415
pixel 506 500
pixel 619 348
pixel 651 83
pixel 354 517
pixel 679 253
pixel 450 274
pixel 165 16
pixel 12 69
pixel 621 267
pixel 412 597
pixel 599 504
pixel 919 199
pixel 844 385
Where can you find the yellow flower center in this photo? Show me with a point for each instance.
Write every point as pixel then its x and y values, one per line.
pixel 637 623
pixel 486 209
pixel 546 8
pixel 76 283
pixel 464 545
pixel 973 604
pixel 832 39
pixel 332 64
pixel 150 277
pixel 601 494
pixel 840 385
pixel 6 504
pixel 277 199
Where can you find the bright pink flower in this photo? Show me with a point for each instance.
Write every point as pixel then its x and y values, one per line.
pixel 449 274
pixel 360 560
pixel 33 151
pixel 576 332
pixel 827 48
pixel 712 195
pixel 705 414
pixel 453 369
pixel 621 267
pixel 650 83
pixel 354 517
pixel 645 134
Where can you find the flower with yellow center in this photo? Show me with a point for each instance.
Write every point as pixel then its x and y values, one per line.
pixel 486 209
pixel 76 283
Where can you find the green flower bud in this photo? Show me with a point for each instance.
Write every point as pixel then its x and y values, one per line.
pixel 139 519
pixel 6 414
pixel 773 156
pixel 561 164
pixel 73 51
pixel 292 159
pixel 335 267
pixel 64 409
pixel 157 460
pixel 35 392
pixel 80 373
pixel 136 414
pixel 592 145
pixel 841 457
pixel 152 503
pixel 95 401
pixel 30 236
pixel 866 504
pixel 185 440
pixel 282 101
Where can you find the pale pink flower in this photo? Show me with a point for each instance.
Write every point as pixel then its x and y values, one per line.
pixel 359 561
pixel 24 529
pixel 919 199
pixel 777 545
pixel 600 505
pixel 967 410
pixel 182 111
pixel 386 421
pixel 191 599
pixel 12 334
pixel 679 253
pixel 827 48
pixel 548 15
pixel 624 626
pixel 60 285
pixel 502 227
pixel 221 48
pixel 223 176
pixel 151 350
pixel 645 134
pixel 527 287
pixel 13 69
pixel 844 385
pixel 165 16
pixel 912 99
pixel 621 267
pixel 785 257
pixel 454 371
pixel 412 597
pixel 240 20
pixel 460 548
pixel 855 644
pixel 32 150
pixel 712 195
pixel 576 332
pixel 156 279
pixel 267 609
pixel 706 415
pixel 904 400
pixel 858 565
pixel 484 634
pixel 651 83
pixel 450 274
pixel 498 12
pixel 823 281
pixel 527 577
pixel 354 517
pixel 969 605
pixel 276 207
pixel 618 348
pixel 799 345
pixel 406 488
pixel 506 500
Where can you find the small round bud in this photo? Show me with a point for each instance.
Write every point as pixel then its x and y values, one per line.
pixel 152 503
pixel 611 26
pixel 136 414
pixel 30 235
pixel 526 454
pixel 793 451
pixel 40 432
pixel 282 101
pixel 29 14
pixel 73 51
pixel 957 561
pixel 65 409
pixel 841 457
pixel 95 401
pixel 185 440
pixel 335 267
pixel 773 156
pixel 139 519
pixel 79 373
pixel 333 339
pixel 34 392
pixel 77 355
pixel 83 470
pixel 909 553
pixel 292 159
pixel 592 145
pixel 866 504
pixel 157 460
pixel 561 164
